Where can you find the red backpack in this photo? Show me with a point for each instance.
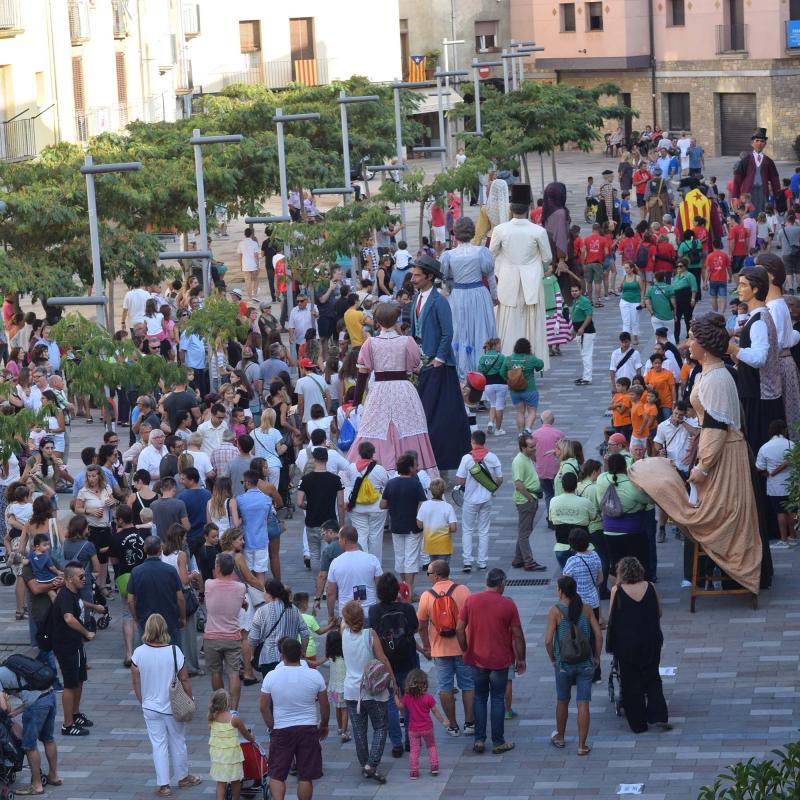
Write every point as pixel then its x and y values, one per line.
pixel 444 612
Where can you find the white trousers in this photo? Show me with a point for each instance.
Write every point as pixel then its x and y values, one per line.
pixel 663 323
pixel 369 525
pixel 630 317
pixel 407 549
pixel 167 737
pixel 475 518
pixel 586 346
pixel 306 550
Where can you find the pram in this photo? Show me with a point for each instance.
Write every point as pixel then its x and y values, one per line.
pixel 101 623
pixel 12 756
pixel 255 782
pixel 615 688
pixel 7 577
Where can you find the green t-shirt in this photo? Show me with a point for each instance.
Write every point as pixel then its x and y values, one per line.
pixel 529 364
pixel 631 291
pixel 313 627
pixel 685 281
pixel 692 252
pixel 523 469
pixel 586 488
pixel 491 363
pixel 550 284
pixel 580 309
pixel 570 465
pixel 570 509
pixel 659 295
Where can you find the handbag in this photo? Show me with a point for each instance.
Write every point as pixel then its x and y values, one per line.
pixel 191 600
pixel 182 705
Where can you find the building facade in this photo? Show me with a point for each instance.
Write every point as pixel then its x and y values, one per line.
pixel 716 68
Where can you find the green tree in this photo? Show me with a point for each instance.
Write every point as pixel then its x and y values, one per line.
pixel 217 319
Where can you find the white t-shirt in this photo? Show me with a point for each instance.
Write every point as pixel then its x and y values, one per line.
pixel 354 570
pixel 629 368
pixel 134 303
pixel 378 477
pixel 473 491
pixel 248 249
pixel 401 259
pixel 337 463
pixel 300 320
pixel 154 324
pixel 436 514
pixel 202 463
pixel 156 667
pixel 324 424
pixel 311 388
pixel 771 455
pixel 13 471
pixel 294 691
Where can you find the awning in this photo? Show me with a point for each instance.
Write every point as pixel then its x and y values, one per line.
pixel 430 102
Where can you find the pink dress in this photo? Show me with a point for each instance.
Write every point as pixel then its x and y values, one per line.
pixel 393 419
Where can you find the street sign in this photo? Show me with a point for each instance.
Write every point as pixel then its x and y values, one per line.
pixel 793 34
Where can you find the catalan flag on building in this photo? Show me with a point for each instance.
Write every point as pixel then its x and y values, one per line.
pixel 416 68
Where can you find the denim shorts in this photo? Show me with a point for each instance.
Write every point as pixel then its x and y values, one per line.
pixel 574 675
pixel 531 399
pixel 718 288
pixel 38 722
pixel 450 669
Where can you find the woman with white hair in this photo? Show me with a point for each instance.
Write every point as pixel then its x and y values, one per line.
pixel 493 213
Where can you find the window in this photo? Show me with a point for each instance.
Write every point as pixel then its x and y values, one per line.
pixel 250 36
pixel 794 9
pixel 301 35
pixel 676 13
pixel 486 36
pixel 567 12
pixel 594 16
pixel 678 111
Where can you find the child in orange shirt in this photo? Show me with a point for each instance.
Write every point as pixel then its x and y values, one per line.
pixel 620 408
pixel 651 413
pixel 662 382
pixel 638 428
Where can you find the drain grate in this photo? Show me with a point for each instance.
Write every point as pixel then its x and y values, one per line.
pixel 528 582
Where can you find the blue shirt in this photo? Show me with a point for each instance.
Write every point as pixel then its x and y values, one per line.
pixel 80 480
pixel 195 501
pixel 625 211
pixel 195 350
pixel 794 183
pixel 696 157
pixel 254 506
pixel 155 585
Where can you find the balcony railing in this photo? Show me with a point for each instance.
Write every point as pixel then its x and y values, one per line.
pixel 279 74
pixel 79 30
pixel 191 20
pixel 167 52
pixel 17 140
pixel 101 119
pixel 10 18
pixel 120 18
pixel 731 39
pixel 184 83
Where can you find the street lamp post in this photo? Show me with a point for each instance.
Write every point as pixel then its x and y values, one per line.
pixel 198 141
pixel 280 119
pixel 439 74
pixel 477 66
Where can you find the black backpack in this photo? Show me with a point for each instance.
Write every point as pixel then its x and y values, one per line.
pixel 642 254
pixel 573 646
pixel 695 253
pixel 393 632
pixel 32 674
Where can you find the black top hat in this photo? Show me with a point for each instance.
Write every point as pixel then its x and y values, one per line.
pixel 761 133
pixel 692 182
pixel 521 194
pixel 429 264
pixel 607 172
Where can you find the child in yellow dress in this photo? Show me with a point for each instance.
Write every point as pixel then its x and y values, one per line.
pixel 223 744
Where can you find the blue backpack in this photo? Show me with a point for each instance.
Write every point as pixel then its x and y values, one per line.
pixel 347 435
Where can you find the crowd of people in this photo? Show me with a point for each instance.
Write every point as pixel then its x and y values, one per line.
pixel 360 407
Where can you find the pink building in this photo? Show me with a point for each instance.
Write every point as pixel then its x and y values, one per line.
pixel 715 68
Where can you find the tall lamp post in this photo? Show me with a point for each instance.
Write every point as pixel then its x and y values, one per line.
pixel 445 137
pixel 477 66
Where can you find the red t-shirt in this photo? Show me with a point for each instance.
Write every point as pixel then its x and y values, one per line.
pixel 641 175
pixel 628 245
pixel 609 244
pixel 577 246
pixel 740 237
pixel 701 234
pixel 437 217
pixel 490 618
pixel 595 245
pixel 663 257
pixel 536 215
pixel 717 263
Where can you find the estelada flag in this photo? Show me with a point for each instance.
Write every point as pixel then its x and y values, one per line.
pixel 416 68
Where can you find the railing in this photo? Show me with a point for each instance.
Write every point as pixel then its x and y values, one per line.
pixel 101 119
pixel 10 18
pixel 79 30
pixel 184 83
pixel 167 51
pixel 17 140
pixel 731 39
pixel 191 20
pixel 120 19
pixel 279 74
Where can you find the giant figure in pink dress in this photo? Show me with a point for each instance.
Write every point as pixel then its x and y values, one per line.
pixel 393 418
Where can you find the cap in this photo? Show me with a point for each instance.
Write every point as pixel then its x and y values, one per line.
pixel 606 172
pixel 617 438
pixel 662 332
pixel 306 363
pixel 476 380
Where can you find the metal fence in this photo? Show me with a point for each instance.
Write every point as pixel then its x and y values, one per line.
pixel 10 15
pixel 17 140
pixel 279 74
pixel 103 119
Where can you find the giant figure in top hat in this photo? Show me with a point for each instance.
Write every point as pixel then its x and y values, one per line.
pixel 757 175
pixel 439 390
pixel 521 252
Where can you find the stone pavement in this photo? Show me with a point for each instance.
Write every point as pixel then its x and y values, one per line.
pixel 735 694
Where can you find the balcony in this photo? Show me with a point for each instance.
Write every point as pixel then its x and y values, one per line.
pixel 167 52
pixel 731 39
pixel 279 74
pixel 79 30
pixel 120 19
pixel 184 83
pixel 191 20
pixel 17 140
pixel 101 119
pixel 10 18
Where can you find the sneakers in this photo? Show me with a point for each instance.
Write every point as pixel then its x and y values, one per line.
pixel 662 535
pixel 454 730
pixel 490 428
pixel 74 730
pixel 413 775
pixel 397 752
pixel 469 729
pixel 500 432
pixel 779 545
pixel 467 568
pixel 82 720
pixel 510 714
pixel 686 584
pixel 434 770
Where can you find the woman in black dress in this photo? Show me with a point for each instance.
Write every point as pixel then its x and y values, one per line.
pixel 634 638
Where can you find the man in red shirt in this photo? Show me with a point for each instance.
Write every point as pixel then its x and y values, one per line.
pixel 718 273
pixel 592 255
pixel 439 225
pixel 490 633
pixel 536 213
pixel 738 238
pixel 640 178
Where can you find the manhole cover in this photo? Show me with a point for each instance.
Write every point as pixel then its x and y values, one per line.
pixel 528 582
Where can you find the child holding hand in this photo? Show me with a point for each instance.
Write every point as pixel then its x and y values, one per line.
pixel 225 751
pixel 419 706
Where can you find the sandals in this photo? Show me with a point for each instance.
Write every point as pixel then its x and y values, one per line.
pixel 345 737
pixel 479 747
pixel 26 791
pixel 372 774
pixel 19 616
pixel 556 742
pixel 164 791
pixel 189 780
pixel 503 748
pixel 584 751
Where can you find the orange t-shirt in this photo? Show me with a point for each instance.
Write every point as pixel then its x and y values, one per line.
pixel 662 382
pixel 637 419
pixel 620 418
pixel 650 411
pixel 686 371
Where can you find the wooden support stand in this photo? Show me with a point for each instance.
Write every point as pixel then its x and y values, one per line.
pixel 696 579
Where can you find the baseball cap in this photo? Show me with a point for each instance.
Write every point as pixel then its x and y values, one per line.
pixel 617 438
pixel 306 363
pixel 476 380
pixel 236 293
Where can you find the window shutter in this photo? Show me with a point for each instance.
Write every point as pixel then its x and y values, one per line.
pixel 78 93
pixel 302 39
pixel 486 28
pixel 122 80
pixel 250 36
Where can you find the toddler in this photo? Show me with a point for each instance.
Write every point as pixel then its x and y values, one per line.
pixel 336 676
pixel 145 528
pixel 42 566
pixel 419 706
pixel 225 752
pixel 301 601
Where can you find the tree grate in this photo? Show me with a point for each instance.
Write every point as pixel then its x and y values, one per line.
pixel 528 582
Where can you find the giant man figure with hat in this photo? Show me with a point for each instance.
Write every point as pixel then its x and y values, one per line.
pixel 757 175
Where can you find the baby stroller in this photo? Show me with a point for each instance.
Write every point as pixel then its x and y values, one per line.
pixel 615 687
pixel 255 782
pixel 12 756
pixel 7 577
pixel 101 623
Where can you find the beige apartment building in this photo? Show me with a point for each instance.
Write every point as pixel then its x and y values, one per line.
pixel 717 68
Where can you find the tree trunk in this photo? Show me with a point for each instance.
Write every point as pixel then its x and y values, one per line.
pixel 525 168
pixel 553 163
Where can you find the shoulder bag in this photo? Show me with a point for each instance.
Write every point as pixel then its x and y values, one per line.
pixel 182 705
pixel 623 361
